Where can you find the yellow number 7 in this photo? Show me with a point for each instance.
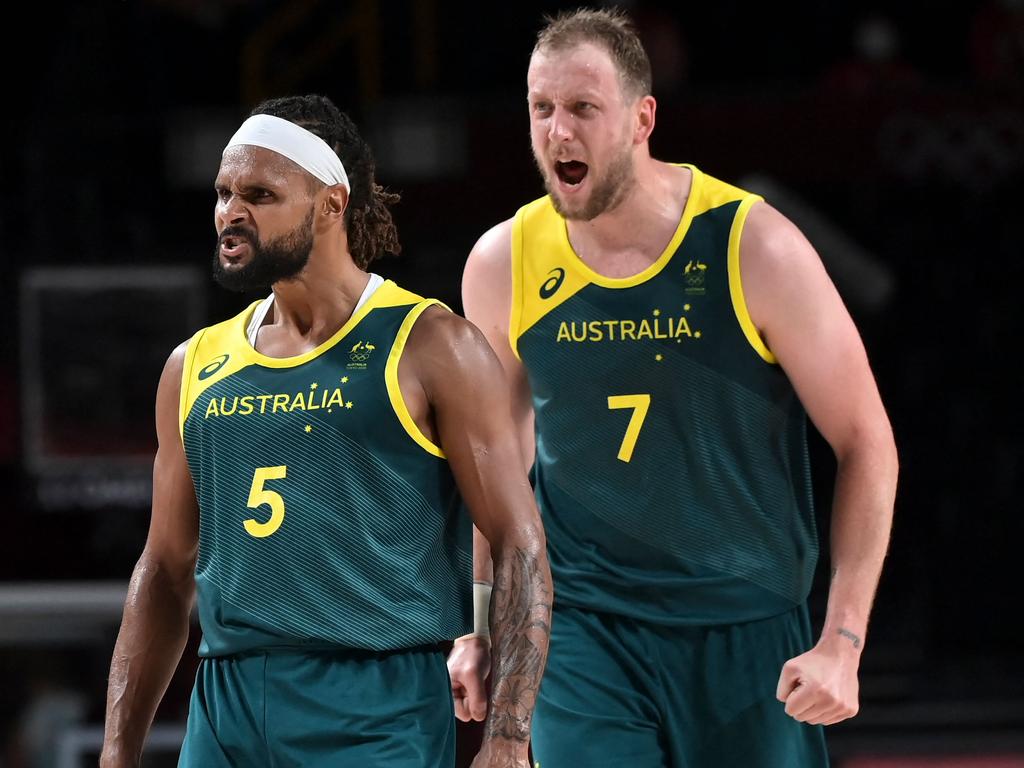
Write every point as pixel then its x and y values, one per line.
pixel 258 496
pixel 639 404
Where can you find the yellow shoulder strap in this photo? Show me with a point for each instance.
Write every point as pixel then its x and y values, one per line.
pixel 391 378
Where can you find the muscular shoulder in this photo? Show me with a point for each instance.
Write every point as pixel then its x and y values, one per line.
pixel 176 359
pixel 487 281
pixel 777 262
pixel 450 359
pixel 174 367
pixel 168 392
pixel 445 348
pixel 440 332
pixel 771 241
pixel 494 247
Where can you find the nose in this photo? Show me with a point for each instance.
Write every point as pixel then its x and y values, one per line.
pixel 233 210
pixel 560 129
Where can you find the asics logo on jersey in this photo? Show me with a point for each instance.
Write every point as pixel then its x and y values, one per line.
pixel 211 368
pixel 550 286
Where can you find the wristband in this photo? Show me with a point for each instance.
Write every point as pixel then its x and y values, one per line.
pixel 481 609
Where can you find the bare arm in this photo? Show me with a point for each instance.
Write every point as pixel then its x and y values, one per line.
pixel 487 300
pixel 155 625
pixel 464 383
pixel 803 321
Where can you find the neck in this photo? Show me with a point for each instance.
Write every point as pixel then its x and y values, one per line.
pixel 644 220
pixel 321 298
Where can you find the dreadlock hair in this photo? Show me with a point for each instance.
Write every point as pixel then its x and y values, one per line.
pixel 371 231
pixel 610 29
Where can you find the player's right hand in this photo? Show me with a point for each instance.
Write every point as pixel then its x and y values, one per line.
pixel 820 686
pixel 469 663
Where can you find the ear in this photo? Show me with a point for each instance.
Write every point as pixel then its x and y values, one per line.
pixel 645 109
pixel 333 202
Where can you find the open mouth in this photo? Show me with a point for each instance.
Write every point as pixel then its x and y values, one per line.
pixel 233 246
pixel 571 172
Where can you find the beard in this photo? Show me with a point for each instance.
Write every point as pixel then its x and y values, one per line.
pixel 606 193
pixel 282 258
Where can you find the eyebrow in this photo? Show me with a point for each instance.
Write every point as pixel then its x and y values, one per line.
pixel 248 186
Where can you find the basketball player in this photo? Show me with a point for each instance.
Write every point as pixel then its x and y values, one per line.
pixel 670 331
pixel 305 490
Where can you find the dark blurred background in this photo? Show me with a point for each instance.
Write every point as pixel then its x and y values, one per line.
pixel 892 133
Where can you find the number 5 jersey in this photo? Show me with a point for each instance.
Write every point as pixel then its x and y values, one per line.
pixel 326 517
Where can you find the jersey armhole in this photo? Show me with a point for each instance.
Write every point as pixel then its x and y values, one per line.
pixel 516 311
pixel 391 379
pixel 739 302
pixel 186 377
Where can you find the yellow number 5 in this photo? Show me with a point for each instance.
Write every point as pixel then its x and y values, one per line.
pixel 258 496
pixel 639 404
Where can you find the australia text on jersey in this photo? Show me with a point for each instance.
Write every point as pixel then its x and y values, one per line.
pixel 656 327
pixel 247 405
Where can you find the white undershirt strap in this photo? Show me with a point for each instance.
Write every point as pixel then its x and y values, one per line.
pixel 257 319
pixel 260 314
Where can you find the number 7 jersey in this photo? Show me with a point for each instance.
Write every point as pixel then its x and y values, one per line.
pixel 326 518
pixel 671 465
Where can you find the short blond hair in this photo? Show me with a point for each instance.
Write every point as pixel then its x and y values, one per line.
pixel 610 29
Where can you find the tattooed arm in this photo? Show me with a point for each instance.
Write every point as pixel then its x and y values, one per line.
pixel 487 300
pixel 520 619
pixel 461 380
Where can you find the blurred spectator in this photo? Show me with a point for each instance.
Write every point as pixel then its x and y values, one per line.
pixel 997 44
pixel 876 65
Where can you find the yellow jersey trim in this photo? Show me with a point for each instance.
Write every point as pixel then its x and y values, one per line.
pixel 387 295
pixel 229 359
pixel 391 379
pixel 739 303
pixel 693 200
pixel 547 272
pixel 234 352
pixel 186 380
pixel 541 278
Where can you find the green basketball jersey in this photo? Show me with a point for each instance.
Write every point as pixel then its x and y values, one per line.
pixel 326 517
pixel 671 467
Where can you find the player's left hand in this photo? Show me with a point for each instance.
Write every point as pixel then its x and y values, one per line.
pixel 820 687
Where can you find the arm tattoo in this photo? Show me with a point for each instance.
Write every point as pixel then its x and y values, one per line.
pixel 852 637
pixel 520 627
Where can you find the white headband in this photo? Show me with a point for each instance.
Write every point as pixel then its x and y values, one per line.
pixel 294 142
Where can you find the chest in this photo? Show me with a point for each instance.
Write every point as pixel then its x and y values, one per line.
pixel 337 392
pixel 618 265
